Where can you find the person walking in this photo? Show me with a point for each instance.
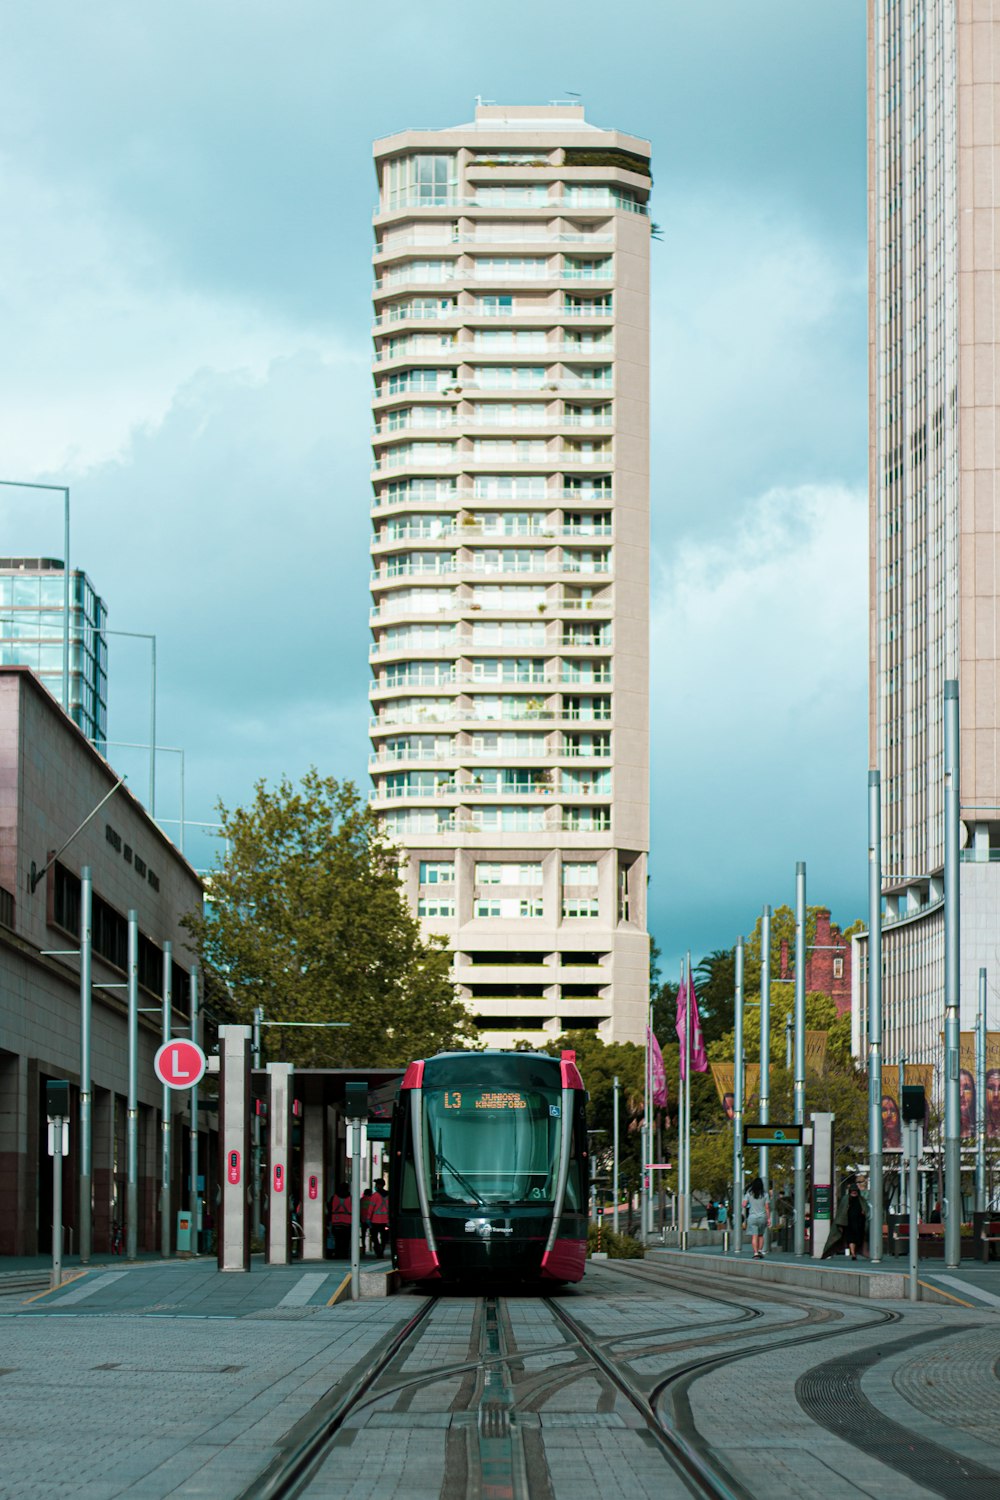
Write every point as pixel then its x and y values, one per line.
pixel 756 1215
pixel 378 1218
pixel 340 1221
pixel 366 1221
pixel 852 1220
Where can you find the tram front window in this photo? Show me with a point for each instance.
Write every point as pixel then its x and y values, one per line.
pixel 492 1146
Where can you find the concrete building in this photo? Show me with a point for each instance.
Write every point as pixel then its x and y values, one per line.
pixel 934 169
pixel 32 600
pixel 51 779
pixel 510 585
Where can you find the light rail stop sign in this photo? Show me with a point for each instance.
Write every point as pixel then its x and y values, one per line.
pixel 180 1064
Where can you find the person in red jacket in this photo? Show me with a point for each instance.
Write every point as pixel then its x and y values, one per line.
pixel 378 1218
pixel 340 1221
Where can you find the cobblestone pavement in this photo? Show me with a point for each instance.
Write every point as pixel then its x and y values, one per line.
pixel 173 1380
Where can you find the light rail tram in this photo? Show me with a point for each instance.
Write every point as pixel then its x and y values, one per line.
pixel 489 1169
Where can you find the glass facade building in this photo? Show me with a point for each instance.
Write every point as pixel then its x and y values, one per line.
pixel 934 166
pixel 510 558
pixel 31 635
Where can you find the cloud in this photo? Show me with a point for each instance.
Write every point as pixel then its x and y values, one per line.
pixel 105 331
pixel 759 716
pixel 759 351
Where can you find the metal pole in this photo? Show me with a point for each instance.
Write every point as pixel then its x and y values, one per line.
pixel 904 1194
pixel 355 1210
pixel 764 1115
pixel 258 1228
pixel 913 1131
pixel 86 1096
pixel 66 600
pixel 875 1195
pixel 152 734
pixel 952 1207
pixel 132 1125
pixel 57 1207
pixel 738 1105
pixel 193 1151
pixel 617 1090
pixel 647 1135
pixel 165 1106
pixel 981 1096
pixel 687 1104
pixel 799 1079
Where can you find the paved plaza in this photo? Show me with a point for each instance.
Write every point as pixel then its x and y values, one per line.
pixel 170 1379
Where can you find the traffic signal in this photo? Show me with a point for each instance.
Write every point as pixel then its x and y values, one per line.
pixel 914 1104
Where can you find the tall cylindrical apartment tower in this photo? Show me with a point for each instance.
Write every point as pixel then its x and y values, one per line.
pixel 510 601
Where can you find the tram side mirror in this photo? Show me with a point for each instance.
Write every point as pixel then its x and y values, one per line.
pixel 914 1104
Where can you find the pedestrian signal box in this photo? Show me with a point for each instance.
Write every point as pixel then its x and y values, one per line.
pixel 774 1135
pixel 356 1100
pixel 914 1104
pixel 57 1099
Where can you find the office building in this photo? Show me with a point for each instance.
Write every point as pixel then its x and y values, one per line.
pixel 934 168
pixel 32 601
pixel 52 783
pixel 510 553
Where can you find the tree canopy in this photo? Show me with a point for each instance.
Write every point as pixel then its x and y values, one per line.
pixel 306 917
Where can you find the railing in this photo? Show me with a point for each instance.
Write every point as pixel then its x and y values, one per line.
pixel 410 570
pixel 572 273
pixel 570 419
pixel 975 856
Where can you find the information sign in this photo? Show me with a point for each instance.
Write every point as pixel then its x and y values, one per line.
pixel 379 1130
pixel 179 1064
pixel 774 1135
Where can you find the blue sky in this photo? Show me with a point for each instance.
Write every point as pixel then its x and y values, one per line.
pixel 185 200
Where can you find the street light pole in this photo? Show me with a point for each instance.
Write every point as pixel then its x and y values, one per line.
pixel 799 1078
pixel 952 1108
pixel 58 489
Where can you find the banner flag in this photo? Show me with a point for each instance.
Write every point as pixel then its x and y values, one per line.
pixel 724 1076
pixel 661 1096
pixel 699 1058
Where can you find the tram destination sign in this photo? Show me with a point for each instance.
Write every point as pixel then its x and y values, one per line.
pixel 471 1099
pixel 774 1135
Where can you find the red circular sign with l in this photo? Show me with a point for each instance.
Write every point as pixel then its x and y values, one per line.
pixel 180 1064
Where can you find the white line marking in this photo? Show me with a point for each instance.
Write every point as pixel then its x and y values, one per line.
pixel 969 1290
pixel 88 1288
pixel 303 1289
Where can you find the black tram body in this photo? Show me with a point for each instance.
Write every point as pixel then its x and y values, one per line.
pixel 489 1168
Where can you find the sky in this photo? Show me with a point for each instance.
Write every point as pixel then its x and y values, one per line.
pixel 185 274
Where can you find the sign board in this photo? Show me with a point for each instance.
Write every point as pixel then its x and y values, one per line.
pixel 379 1130
pixel 822 1201
pixel 179 1064
pixel 63 1138
pixel 774 1135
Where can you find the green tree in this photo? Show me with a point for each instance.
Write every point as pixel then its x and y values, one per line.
pixel 821 1015
pixel 306 917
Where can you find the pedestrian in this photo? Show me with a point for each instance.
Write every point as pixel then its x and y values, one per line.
pixel 712 1213
pixel 756 1215
pixel 722 1215
pixel 378 1215
pixel 366 1220
pixel 852 1220
pixel 339 1218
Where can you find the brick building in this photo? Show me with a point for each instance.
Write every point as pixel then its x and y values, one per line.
pixel 828 963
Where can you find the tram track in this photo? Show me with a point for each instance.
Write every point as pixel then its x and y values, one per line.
pixel 526 1362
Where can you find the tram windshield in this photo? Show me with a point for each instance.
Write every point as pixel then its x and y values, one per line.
pixel 492 1146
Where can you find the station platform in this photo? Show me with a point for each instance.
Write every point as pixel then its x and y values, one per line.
pixel 971 1284
pixel 189 1288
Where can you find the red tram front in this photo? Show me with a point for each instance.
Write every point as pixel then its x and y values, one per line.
pixel 489 1168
